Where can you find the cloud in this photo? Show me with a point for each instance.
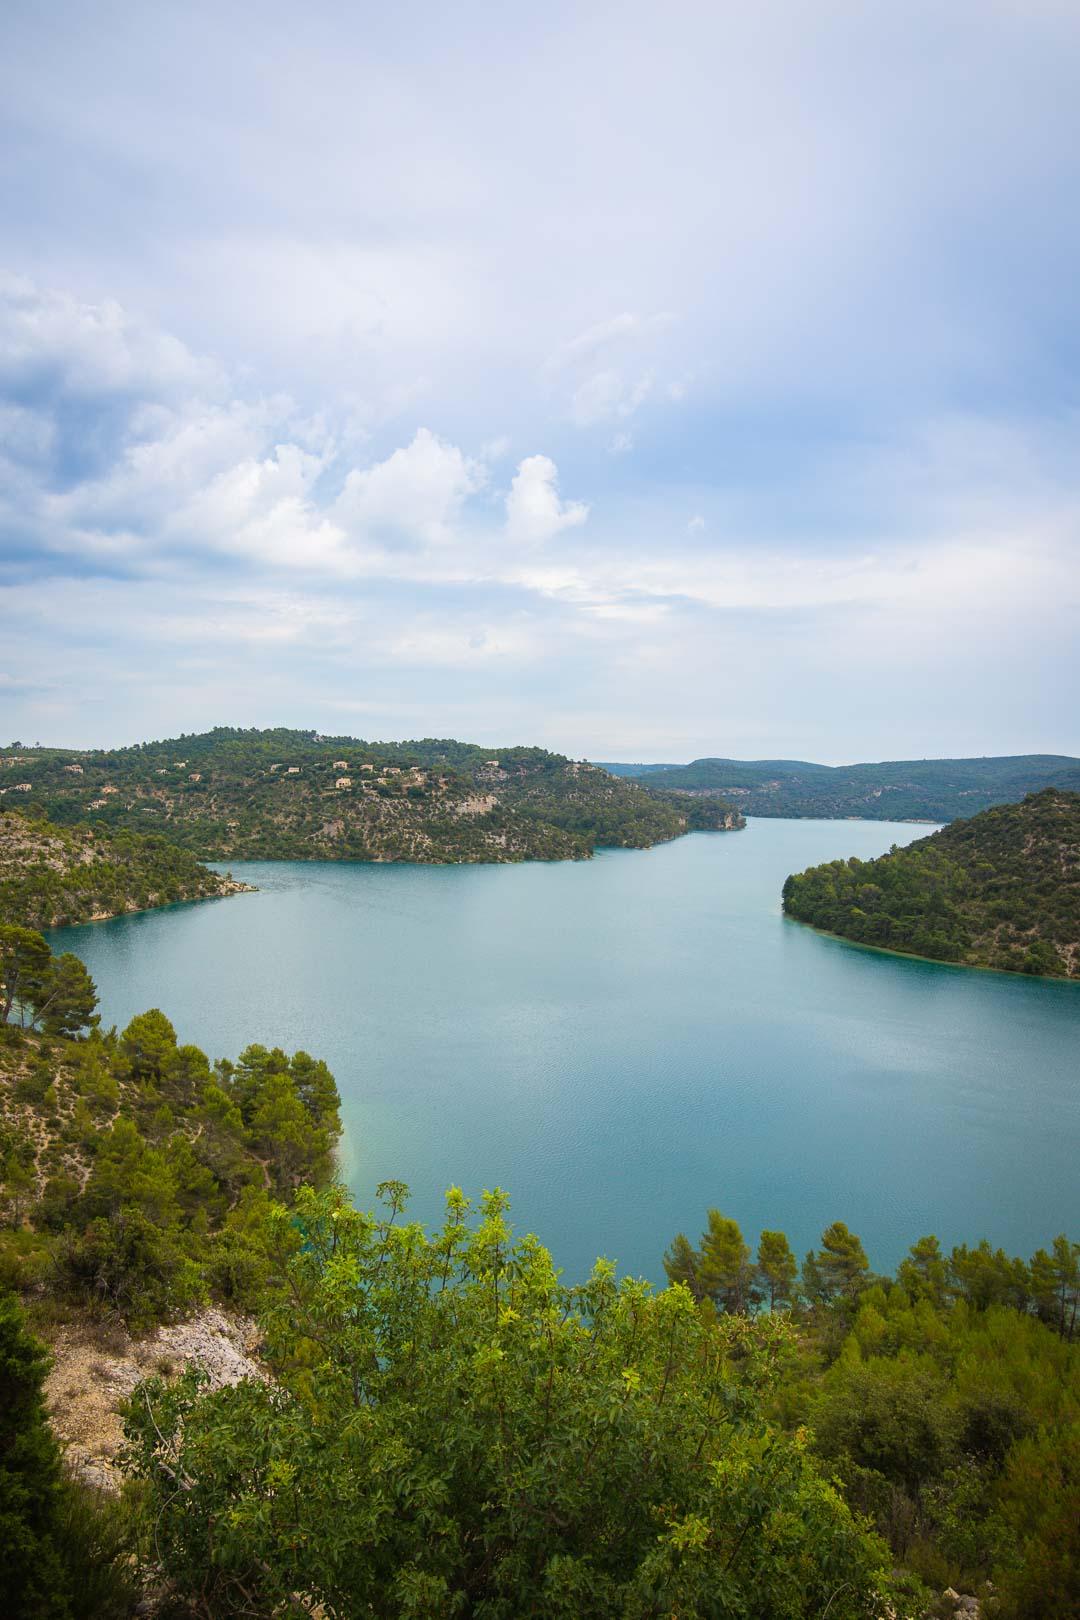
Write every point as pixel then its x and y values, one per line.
pixel 534 508
pixel 418 491
pixel 617 331
pixel 607 394
pixel 54 344
pixel 259 381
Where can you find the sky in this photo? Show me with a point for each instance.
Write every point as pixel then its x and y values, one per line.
pixel 640 381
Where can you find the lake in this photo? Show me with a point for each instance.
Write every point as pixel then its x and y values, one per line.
pixel 625 1041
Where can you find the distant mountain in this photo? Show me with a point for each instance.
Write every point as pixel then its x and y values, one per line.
pixel 1001 890
pixel 895 790
pixel 229 794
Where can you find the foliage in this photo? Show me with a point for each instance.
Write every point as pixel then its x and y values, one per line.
pixel 283 794
pixel 1001 891
pixel 52 875
pixel 37 989
pixel 145 1173
pixel 455 1432
pixel 65 1553
pixel 946 1402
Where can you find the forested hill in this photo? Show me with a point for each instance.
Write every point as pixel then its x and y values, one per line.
pixel 279 794
pixel 1001 891
pixel 52 875
pixel 894 790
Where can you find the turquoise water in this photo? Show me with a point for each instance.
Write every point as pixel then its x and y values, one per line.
pixel 623 1042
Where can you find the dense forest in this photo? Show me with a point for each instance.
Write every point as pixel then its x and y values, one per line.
pixel 945 1401
pixel 896 790
pixel 278 794
pixel 51 875
pixel 1000 891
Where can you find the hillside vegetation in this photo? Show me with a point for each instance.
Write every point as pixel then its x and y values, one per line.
pixel 132 1170
pixel 945 1400
pixel 1000 891
pixel 895 790
pixel 281 794
pixel 51 875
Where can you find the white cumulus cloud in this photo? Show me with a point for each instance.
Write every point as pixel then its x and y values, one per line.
pixel 417 491
pixel 534 508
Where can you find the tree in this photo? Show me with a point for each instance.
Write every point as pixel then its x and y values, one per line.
pixel 282 1129
pixel 35 1584
pixel 887 1416
pixel 777 1268
pixel 683 1265
pixel 65 1001
pixel 24 962
pixel 452 1431
pixel 149 1044
pixel 922 1274
pixel 985 1277
pixel 1055 1284
pixel 1039 1496
pixel 66 1552
pixel 841 1262
pixel 18 1171
pixel 726 1271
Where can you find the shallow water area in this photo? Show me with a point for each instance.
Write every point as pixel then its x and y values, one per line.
pixel 623 1042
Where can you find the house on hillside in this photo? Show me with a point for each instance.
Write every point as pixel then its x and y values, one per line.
pixel 293 770
pixel 341 765
pixel 343 782
pixel 74 770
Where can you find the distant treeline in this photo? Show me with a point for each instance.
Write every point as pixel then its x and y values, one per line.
pixel 895 790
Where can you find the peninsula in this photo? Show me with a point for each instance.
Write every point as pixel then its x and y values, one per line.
pixel 1001 890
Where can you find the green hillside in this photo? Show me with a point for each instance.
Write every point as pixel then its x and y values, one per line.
pixel 1000 891
pixel 280 794
pixel 894 790
pixel 51 875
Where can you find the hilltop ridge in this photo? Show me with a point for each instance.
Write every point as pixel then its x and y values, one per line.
pixel 288 794
pixel 891 790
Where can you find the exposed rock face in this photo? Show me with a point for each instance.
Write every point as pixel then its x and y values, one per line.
pixel 88 1383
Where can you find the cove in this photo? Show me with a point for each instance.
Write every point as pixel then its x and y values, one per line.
pixel 623 1042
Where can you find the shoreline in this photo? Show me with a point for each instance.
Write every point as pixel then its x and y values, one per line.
pixel 235 887
pixel 935 961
